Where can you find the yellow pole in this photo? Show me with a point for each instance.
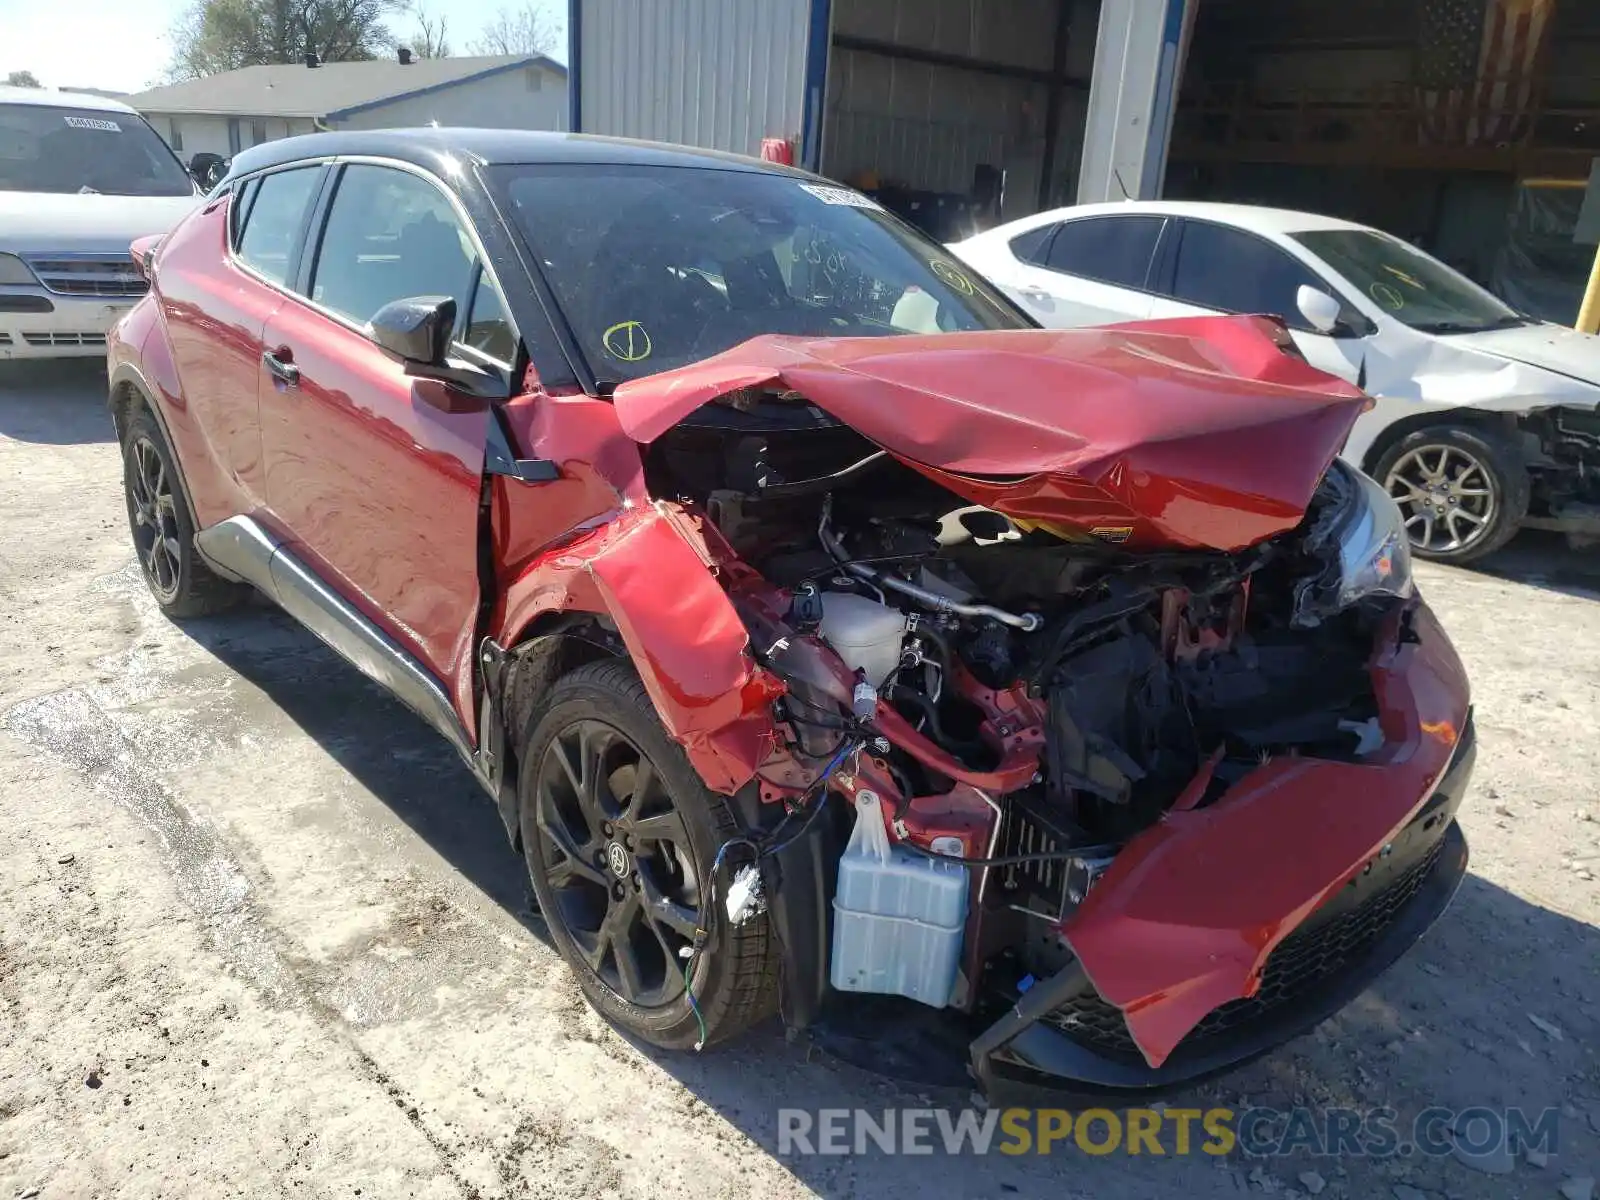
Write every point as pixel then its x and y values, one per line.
pixel 1589 310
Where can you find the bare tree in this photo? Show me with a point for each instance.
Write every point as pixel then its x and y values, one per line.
pixel 25 79
pixel 526 30
pixel 431 39
pixel 224 35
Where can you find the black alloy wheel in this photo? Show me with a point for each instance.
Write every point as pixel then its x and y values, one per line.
pixel 620 834
pixel 619 862
pixel 153 513
pixel 163 531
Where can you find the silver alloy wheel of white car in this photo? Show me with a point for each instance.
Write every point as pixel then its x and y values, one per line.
pixel 1448 497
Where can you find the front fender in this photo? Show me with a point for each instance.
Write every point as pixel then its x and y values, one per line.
pixel 651 573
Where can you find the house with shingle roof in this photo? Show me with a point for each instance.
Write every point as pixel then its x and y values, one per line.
pixel 225 113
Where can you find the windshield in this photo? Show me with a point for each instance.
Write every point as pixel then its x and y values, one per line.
pixel 48 149
pixel 1407 284
pixel 656 267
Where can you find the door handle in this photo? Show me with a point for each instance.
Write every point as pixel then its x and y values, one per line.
pixel 280 363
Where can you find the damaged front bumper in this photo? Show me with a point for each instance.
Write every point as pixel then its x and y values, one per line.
pixel 1176 978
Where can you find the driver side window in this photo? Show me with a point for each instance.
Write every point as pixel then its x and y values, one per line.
pixel 389 235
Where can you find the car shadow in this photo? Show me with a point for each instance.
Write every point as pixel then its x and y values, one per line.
pixel 56 402
pixel 359 724
pixel 1449 1025
pixel 1546 560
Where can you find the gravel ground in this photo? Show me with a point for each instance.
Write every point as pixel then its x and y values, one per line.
pixel 261 935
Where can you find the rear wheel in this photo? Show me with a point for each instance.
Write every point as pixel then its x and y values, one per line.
pixel 1462 490
pixel 163 535
pixel 620 835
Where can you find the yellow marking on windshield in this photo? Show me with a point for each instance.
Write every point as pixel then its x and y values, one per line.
pixel 627 341
pixel 1404 278
pixel 952 276
pixel 1387 296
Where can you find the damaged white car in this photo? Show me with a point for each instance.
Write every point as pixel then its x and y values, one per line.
pixel 1484 421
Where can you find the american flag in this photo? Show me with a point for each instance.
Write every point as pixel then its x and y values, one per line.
pixel 1474 67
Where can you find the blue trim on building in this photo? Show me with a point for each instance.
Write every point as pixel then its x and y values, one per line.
pixel 819 45
pixel 520 64
pixel 575 65
pixel 1164 101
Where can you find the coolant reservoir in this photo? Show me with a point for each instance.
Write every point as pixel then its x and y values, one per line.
pixel 866 634
pixel 897 916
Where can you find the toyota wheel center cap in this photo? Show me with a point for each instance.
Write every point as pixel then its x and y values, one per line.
pixel 617 858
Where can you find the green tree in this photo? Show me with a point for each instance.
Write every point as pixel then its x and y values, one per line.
pixel 22 79
pixel 224 35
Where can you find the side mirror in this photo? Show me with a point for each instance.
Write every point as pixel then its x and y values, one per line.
pixel 1320 310
pixel 417 331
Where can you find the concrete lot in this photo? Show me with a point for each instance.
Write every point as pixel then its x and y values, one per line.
pixel 261 935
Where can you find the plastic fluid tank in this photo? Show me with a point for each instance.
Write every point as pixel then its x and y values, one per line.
pixel 897 917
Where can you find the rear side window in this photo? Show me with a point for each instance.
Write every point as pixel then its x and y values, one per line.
pixel 1235 271
pixel 1029 247
pixel 390 235
pixel 243 197
pixel 1114 250
pixel 277 210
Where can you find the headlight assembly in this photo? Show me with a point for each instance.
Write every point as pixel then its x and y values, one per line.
pixel 1359 535
pixel 14 271
pixel 1374 551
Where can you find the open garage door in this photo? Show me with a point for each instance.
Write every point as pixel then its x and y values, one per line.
pixel 958 110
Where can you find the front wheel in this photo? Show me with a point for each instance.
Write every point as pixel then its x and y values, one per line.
pixel 1462 490
pixel 620 835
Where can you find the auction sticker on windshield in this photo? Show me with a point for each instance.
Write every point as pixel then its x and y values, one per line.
pixel 847 197
pixel 93 123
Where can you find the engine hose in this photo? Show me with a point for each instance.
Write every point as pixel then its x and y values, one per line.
pixel 940 642
pixel 931 600
pixel 928 710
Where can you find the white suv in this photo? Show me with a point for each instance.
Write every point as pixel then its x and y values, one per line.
pixel 1483 420
pixel 80 178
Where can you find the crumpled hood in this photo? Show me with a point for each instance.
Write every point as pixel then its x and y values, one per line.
pixel 1552 347
pixel 31 223
pixel 1199 432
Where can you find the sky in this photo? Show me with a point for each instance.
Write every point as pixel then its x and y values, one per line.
pixel 122 44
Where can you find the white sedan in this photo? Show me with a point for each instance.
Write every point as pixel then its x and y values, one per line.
pixel 1484 420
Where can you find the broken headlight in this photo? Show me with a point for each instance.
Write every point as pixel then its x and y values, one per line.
pixel 1374 549
pixel 1362 538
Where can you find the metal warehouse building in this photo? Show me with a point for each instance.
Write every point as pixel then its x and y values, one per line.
pixel 1467 126
pixel 920 92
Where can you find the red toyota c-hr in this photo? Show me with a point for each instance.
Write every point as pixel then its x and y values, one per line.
pixel 820 626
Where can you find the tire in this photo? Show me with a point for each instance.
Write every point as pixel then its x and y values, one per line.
pixel 1480 474
pixel 163 534
pixel 590 872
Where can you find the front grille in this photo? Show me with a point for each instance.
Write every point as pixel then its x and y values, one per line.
pixel 64 339
pixel 72 276
pixel 1304 961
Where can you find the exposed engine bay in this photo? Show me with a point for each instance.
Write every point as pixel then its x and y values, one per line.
pixel 1073 689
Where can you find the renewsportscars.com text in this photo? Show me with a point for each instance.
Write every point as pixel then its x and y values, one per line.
pixel 1256 1132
